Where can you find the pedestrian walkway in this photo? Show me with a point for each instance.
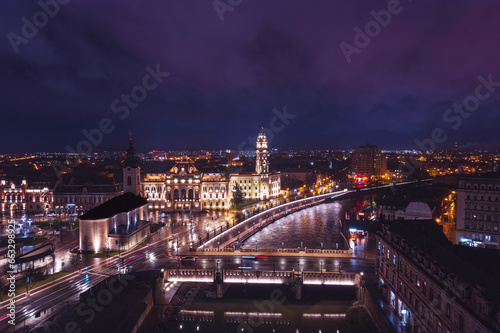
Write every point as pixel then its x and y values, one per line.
pixel 106 271
pixel 389 315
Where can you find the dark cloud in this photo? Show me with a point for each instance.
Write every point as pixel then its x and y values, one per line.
pixel 226 77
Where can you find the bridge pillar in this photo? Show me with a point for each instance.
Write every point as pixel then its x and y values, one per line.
pixel 219 284
pixel 298 280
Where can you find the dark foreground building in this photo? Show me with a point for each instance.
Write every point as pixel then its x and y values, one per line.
pixel 435 286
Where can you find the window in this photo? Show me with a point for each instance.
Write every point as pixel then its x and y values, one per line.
pixel 431 294
pixel 460 323
pixel 394 259
pixel 129 180
pixel 438 304
pixel 448 310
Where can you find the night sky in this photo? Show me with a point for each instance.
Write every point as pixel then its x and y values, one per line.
pixel 226 76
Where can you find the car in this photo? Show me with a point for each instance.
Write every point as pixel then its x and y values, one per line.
pixel 189 259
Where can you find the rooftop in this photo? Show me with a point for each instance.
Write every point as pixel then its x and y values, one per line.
pixel 473 265
pixel 119 204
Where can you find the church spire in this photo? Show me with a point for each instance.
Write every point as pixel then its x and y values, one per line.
pixel 131 158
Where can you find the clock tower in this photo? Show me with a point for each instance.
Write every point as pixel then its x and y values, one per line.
pixel 262 163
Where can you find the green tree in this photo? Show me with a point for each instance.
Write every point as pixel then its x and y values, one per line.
pixel 237 196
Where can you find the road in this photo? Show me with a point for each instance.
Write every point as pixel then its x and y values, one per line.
pixel 160 252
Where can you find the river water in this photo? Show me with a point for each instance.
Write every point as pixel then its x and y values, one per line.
pixel 267 309
pixel 306 228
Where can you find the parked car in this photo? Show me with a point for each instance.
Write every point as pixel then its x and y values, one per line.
pixel 188 260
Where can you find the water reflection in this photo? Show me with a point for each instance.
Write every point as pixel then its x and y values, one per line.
pixel 307 228
pixel 264 308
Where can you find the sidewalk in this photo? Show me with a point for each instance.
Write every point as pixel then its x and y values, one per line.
pixel 389 315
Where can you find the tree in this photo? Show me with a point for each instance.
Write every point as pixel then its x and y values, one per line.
pixel 237 196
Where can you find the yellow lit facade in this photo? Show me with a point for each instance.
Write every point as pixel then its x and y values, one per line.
pixel 184 188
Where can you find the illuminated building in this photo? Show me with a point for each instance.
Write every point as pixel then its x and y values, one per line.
pixel 182 187
pixel 118 224
pixel 368 162
pixel 24 197
pixel 433 285
pixel 185 188
pixel 478 211
pixel 215 193
pixel 71 199
pixel 261 184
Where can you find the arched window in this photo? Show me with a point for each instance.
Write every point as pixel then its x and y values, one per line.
pixel 190 194
pixel 37 198
pixel 129 180
pixel 183 194
pixel 176 194
pixel 30 198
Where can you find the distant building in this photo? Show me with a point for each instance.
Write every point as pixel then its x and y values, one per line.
pixel 404 210
pixel 25 197
pixel 433 285
pixel 72 199
pixel 185 188
pixel 368 161
pixel 119 223
pixel 478 212
pixel 294 176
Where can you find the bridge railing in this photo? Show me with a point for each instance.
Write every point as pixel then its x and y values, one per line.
pixel 265 277
pixel 331 278
pixel 185 275
pixel 274 251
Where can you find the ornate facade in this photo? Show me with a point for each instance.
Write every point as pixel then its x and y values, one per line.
pixel 184 188
pixel 24 197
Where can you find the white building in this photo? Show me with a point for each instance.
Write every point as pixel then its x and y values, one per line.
pixel 120 223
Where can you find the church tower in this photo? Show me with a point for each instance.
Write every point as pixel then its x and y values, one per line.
pixel 131 171
pixel 262 163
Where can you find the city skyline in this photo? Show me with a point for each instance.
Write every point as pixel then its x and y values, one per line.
pixel 210 79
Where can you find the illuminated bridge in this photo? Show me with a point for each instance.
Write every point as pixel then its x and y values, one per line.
pixel 264 277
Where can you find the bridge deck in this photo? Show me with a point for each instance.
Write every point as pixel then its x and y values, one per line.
pixel 264 277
